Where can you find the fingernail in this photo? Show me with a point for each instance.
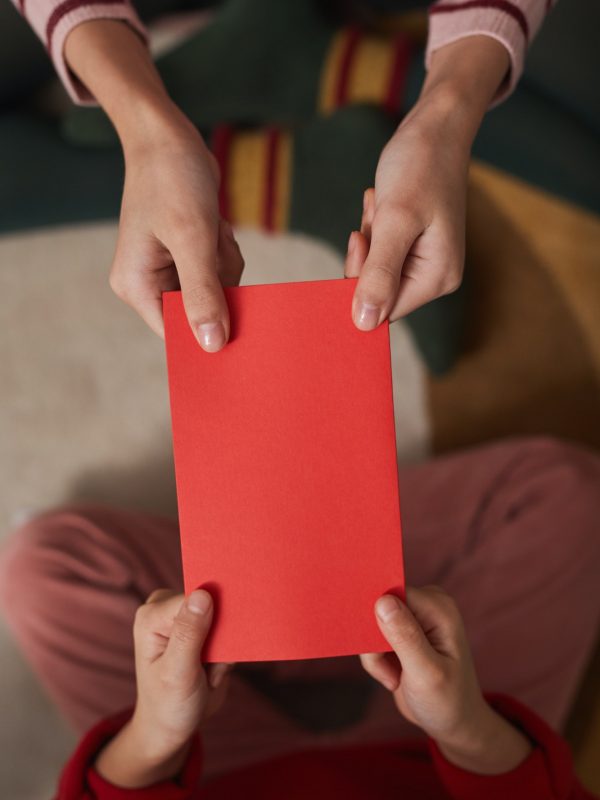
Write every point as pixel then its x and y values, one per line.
pixel 351 243
pixel 366 316
pixel 386 607
pixel 212 336
pixel 199 602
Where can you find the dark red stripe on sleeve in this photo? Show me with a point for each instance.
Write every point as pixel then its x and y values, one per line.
pixel 273 137
pixel 221 146
pixel 501 5
pixel 402 54
pixel 71 5
pixel 341 89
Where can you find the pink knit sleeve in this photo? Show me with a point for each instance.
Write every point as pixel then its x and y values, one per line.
pixel 513 23
pixel 53 20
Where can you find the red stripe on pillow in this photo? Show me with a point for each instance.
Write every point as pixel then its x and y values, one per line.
pixel 395 93
pixel 273 137
pixel 341 90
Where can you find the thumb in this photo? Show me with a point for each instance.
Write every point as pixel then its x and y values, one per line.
pixel 189 632
pixel 379 281
pixel 404 634
pixel 195 257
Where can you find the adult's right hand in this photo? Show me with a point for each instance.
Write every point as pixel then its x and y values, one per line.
pixel 170 234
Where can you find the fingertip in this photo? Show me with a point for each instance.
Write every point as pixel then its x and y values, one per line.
pixel 382 669
pixel 351 244
pixel 199 602
pixel 351 268
pixel 211 336
pixel 227 229
pixel 358 249
pixel 366 316
pixel 390 684
pixel 218 673
pixel 368 212
pixel 387 607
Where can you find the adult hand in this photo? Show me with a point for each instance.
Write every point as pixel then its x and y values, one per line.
pixel 434 684
pixel 174 692
pixel 414 248
pixel 170 235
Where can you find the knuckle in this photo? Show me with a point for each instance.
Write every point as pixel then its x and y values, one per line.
pixel 446 606
pixel 450 612
pixel 178 221
pixel 117 284
pixel 403 216
pixel 451 609
pixel 369 662
pixel 186 227
pixel 141 617
pixel 154 596
pixel 450 282
pixel 441 281
pixel 436 677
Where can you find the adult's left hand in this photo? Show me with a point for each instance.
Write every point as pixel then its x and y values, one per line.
pixel 411 246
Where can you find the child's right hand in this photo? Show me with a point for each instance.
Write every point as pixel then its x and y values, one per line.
pixel 175 693
pixel 433 680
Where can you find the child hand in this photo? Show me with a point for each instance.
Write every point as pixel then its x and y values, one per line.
pixel 174 692
pixel 433 680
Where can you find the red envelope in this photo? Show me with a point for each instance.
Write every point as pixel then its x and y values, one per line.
pixel 287 482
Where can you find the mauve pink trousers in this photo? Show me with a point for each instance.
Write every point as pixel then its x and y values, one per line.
pixel 511 530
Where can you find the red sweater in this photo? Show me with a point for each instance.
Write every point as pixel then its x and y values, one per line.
pixel 404 769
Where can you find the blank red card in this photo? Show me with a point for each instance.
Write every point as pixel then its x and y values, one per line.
pixel 287 482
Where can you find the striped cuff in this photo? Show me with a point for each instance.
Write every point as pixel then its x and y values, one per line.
pixel 53 21
pixel 66 17
pixel 513 24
